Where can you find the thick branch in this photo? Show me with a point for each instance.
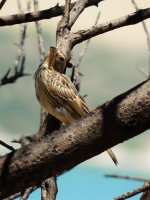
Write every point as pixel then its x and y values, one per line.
pixel 40 15
pixel 76 11
pixel 116 121
pixel 127 20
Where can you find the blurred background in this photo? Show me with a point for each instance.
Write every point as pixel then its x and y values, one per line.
pixel 110 67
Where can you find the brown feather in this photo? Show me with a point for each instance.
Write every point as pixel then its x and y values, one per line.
pixel 57 94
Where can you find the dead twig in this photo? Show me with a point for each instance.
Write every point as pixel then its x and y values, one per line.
pixel 126 177
pixel 76 75
pixel 39 34
pixel 127 195
pixel 17 73
pixel 147 36
pixel 27 192
pixel 18 70
pixel 12 197
pixel 7 146
pixel 41 52
pixel 86 43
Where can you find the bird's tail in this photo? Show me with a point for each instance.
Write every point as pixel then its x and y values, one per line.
pixel 112 155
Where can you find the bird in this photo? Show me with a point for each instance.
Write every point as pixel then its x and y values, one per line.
pixel 57 94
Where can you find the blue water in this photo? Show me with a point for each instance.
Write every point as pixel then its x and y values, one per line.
pixel 87 183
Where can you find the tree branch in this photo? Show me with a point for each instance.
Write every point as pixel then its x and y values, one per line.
pixel 17 73
pixel 127 195
pixel 27 192
pixel 124 117
pixel 49 189
pixel 2 3
pixel 40 15
pixel 126 177
pixel 127 20
pixel 76 11
pixel 147 36
pixel 6 145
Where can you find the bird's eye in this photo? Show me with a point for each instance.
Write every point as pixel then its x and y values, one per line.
pixel 61 59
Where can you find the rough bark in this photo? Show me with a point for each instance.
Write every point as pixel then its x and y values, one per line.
pixel 40 15
pixel 116 121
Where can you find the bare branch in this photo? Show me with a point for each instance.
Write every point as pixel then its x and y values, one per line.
pixel 127 20
pixel 86 44
pixel 147 35
pixel 12 197
pixel 39 34
pixel 18 70
pixel 126 177
pixel 66 16
pixel 120 119
pixel 40 15
pixel 62 27
pixel 23 29
pixel 76 75
pixel 76 11
pixel 18 73
pixel 41 52
pixel 6 145
pixel 127 195
pixel 27 192
pixel 2 3
pixel 49 189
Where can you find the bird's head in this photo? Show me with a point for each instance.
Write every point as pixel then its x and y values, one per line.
pixel 56 59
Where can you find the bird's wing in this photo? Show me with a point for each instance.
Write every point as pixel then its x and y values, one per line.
pixel 64 92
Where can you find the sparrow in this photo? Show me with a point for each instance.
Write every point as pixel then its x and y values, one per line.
pixel 57 94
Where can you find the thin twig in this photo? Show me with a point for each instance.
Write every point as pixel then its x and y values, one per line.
pixel 41 52
pixel 146 33
pixel 76 75
pixel 2 3
pixel 17 73
pixel 49 189
pixel 39 34
pixel 14 196
pixel 126 177
pixel 127 195
pixel 7 146
pixel 86 44
pixel 18 70
pixel 27 192
pixel 23 29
